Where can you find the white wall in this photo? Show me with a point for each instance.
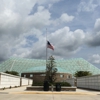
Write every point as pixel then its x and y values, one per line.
pixel 24 81
pixel 71 81
pixel 89 82
pixel 30 81
pixel 8 80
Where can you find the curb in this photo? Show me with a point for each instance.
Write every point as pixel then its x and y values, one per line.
pixel 67 93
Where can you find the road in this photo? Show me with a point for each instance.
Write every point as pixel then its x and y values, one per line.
pixel 5 96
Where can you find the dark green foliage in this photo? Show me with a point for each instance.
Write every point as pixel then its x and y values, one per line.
pixel 37 84
pixel 63 83
pixel 82 73
pixel 12 73
pixel 51 70
pixel 41 84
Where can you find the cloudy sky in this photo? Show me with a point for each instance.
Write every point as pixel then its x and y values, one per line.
pixel 73 27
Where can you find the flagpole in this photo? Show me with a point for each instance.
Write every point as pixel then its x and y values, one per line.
pixel 46 49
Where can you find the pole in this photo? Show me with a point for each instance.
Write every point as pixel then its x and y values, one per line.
pixel 46 49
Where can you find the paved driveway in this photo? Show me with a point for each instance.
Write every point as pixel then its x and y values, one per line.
pixel 47 97
pixel 20 93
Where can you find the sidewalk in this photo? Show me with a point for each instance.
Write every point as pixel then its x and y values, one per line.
pixel 22 90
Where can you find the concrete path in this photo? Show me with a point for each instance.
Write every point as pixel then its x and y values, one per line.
pixel 22 90
pixel 20 93
pixel 47 97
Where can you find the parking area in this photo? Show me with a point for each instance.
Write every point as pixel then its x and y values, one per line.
pixel 20 93
pixel 47 97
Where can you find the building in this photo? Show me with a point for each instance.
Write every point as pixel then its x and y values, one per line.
pixel 39 77
pixel 33 67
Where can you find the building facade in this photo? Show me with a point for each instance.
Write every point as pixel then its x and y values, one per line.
pixel 39 77
pixel 36 68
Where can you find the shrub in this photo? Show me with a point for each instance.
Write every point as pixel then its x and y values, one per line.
pixel 63 83
pixel 37 84
pixel 82 73
pixel 41 84
pixel 12 73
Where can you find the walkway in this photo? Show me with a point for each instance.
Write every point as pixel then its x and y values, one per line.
pixel 22 90
pixel 20 93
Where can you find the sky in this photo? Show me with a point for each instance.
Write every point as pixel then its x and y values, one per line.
pixel 72 27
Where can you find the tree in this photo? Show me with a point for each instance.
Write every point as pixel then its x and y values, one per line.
pixel 82 73
pixel 51 70
pixel 12 73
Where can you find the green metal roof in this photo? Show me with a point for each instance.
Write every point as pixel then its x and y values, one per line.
pixel 36 65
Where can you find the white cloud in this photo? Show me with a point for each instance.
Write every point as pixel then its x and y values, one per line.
pixel 87 6
pixel 16 25
pixel 38 20
pixel 22 32
pixel 66 41
pixel 95 58
pixel 47 2
pixel 64 18
pixel 93 39
pixel 20 7
pixel 97 25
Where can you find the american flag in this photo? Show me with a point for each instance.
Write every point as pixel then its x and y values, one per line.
pixel 49 45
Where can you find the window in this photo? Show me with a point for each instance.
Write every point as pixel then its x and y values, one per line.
pixel 61 76
pixel 31 75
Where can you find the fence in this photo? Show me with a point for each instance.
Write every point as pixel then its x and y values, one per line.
pixel 8 80
pixel 86 82
pixel 89 82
